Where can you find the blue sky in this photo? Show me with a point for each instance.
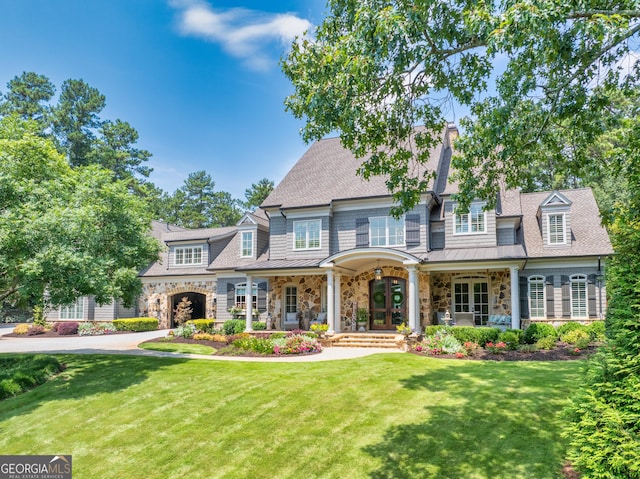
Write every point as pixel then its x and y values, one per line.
pixel 199 80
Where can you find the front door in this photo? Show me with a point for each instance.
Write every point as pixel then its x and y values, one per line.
pixel 388 300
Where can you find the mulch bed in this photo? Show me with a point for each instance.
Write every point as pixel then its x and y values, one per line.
pixel 53 334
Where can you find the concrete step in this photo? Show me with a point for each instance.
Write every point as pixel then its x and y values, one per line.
pixel 366 340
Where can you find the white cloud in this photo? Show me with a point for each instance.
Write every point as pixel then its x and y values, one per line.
pixel 245 34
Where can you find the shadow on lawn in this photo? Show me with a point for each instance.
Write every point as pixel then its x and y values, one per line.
pixel 86 375
pixel 498 424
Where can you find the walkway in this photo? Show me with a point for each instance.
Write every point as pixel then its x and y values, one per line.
pixel 128 344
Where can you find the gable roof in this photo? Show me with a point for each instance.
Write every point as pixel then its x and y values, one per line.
pixel 588 236
pixel 327 172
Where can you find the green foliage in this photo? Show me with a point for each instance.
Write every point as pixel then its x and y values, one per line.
pixel 572 337
pixel 596 331
pixel 258 345
pixel 512 338
pixel 537 331
pixel 203 325
pixel 467 333
pixel 257 193
pixel 95 329
pixel 259 326
pixel 136 324
pixel 234 326
pixel 186 331
pixel 570 326
pixel 21 329
pixel 19 373
pixel 528 348
pixel 442 342
pixel 547 342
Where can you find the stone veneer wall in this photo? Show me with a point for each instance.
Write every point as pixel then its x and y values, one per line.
pixel 353 289
pixel 164 291
pixel 499 290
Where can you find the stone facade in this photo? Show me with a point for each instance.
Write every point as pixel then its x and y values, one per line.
pixel 310 296
pixel 156 297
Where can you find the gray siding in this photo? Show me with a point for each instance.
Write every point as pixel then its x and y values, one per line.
pixel 225 296
pixel 506 236
pixel 277 237
pixel 205 255
pixel 343 228
pixel 308 254
pixel 262 242
pixel 473 240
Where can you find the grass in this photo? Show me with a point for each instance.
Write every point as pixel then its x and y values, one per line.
pixel 19 373
pixel 383 416
pixel 178 347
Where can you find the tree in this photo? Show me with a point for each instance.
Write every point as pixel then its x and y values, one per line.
pixel 76 119
pixel 27 97
pixel 257 193
pixel 375 70
pixel 541 80
pixel 182 312
pixel 196 204
pixel 65 232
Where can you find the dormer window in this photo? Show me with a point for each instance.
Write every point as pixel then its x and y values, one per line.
pixel 188 255
pixel 473 222
pixel 556 229
pixel 246 247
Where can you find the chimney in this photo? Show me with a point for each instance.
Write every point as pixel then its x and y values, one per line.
pixel 452 130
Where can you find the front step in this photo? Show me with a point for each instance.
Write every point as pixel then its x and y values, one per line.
pixel 366 340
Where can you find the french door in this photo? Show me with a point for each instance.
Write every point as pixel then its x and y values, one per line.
pixel 388 303
pixel 472 295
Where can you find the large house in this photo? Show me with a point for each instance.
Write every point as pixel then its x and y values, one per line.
pixel 324 244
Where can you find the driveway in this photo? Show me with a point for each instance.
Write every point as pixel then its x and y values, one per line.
pixel 128 344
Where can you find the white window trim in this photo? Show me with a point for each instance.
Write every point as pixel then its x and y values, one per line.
pixel 285 297
pixel 386 232
pixel 308 222
pixel 242 235
pixel 564 229
pixel 574 279
pixel 469 232
pixel 254 304
pixel 538 279
pixel 78 310
pixel 184 248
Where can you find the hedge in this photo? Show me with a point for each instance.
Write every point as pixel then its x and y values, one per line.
pixel 204 325
pixel 467 333
pixel 234 326
pixel 136 324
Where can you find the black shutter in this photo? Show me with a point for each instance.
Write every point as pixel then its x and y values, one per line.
pixel 412 227
pixel 549 290
pixel 591 296
pixel 362 232
pixel 524 297
pixel 262 297
pixel 566 297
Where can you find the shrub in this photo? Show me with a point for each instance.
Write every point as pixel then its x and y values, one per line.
pixel 570 326
pixel 259 326
pixel 442 342
pixel 35 330
pixel 136 324
pixel 67 328
pixel 54 327
pixel 219 338
pixel 203 325
pixel 538 331
pixel 230 339
pixel 95 329
pixel 528 348
pixel 497 348
pixel 259 345
pixel 187 331
pixel 510 338
pixel 471 348
pixel 466 333
pixel 234 326
pixel 319 328
pixel 38 316
pixel 23 372
pixel 203 336
pixel 575 335
pixel 596 331
pixel 278 335
pixel 21 329
pixel 296 344
pixel 546 342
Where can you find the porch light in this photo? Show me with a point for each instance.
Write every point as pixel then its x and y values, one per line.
pixel 378 273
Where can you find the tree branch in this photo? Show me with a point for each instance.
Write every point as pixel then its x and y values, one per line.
pixel 593 13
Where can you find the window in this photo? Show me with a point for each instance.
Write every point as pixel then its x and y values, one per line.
pixel 306 234
pixel 241 296
pixel 579 296
pixel 386 231
pixel 246 248
pixel 188 255
pixel 73 311
pixel 555 229
pixel 536 297
pixel 290 299
pixel 475 221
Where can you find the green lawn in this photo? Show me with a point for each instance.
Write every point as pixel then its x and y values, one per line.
pixel 186 348
pixel 384 416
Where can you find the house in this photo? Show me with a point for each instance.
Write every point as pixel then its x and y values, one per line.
pixel 324 244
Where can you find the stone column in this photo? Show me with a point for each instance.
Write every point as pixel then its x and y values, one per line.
pixel 248 304
pixel 515 298
pixel 414 317
pixel 336 304
pixel 331 310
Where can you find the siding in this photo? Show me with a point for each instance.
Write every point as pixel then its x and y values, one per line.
pixel 205 255
pixel 343 228
pixel 479 240
pixel 262 242
pixel 506 236
pixel 277 237
pixel 225 294
pixel 308 254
